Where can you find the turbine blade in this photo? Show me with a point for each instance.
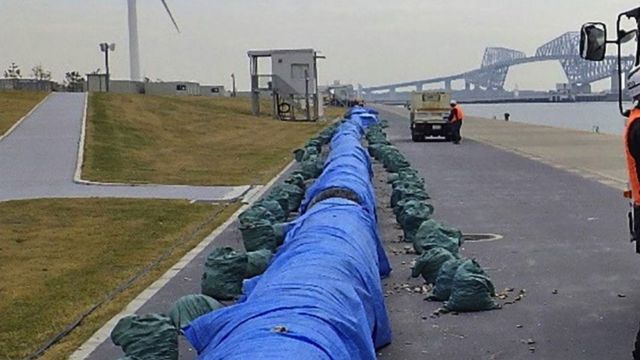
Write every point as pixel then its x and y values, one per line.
pixel 166 7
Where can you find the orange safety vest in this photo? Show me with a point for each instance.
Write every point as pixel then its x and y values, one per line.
pixel 632 166
pixel 458 114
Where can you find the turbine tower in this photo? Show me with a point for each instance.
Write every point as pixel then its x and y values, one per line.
pixel 134 50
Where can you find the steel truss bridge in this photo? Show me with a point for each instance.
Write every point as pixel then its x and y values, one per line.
pixel 497 61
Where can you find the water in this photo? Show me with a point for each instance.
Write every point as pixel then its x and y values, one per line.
pixel 588 116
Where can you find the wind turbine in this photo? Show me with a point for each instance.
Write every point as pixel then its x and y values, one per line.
pixel 134 50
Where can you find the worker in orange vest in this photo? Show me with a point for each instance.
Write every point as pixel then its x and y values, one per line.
pixel 455 118
pixel 632 149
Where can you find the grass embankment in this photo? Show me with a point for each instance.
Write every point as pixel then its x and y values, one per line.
pixel 186 140
pixel 16 104
pixel 60 257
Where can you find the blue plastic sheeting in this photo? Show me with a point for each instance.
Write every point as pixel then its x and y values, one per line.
pixel 361 110
pixel 346 170
pixel 321 297
pixel 348 166
pixel 366 119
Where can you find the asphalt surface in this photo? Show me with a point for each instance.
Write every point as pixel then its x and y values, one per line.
pixel 565 243
pixel 38 160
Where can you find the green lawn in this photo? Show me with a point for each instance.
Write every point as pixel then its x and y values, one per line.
pixel 16 104
pixel 186 140
pixel 59 257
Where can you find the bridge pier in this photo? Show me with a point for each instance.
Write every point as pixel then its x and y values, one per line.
pixel 447 85
pixel 419 88
pixel 467 85
pixel 615 83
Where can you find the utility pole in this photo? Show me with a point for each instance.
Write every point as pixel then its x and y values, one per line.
pixel 105 48
pixel 233 85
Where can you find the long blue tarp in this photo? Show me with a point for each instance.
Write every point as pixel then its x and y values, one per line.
pixel 321 297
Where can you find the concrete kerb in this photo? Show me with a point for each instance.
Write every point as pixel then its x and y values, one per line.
pixel 251 196
pixel 22 119
pixel 237 192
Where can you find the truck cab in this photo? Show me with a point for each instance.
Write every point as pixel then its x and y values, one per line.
pixel 430 115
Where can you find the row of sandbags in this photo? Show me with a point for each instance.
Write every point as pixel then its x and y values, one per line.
pixel 321 296
pixel 460 283
pixel 263 226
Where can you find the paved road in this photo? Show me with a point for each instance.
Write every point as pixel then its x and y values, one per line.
pixel 561 232
pixel 38 160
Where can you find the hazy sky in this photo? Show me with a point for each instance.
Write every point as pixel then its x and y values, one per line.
pixel 365 41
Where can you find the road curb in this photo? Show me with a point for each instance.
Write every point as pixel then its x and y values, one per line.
pixel 235 192
pixel 100 336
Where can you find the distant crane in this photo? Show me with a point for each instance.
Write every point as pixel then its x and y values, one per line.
pixel 134 50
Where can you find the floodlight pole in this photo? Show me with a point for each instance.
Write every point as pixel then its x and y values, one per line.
pixel 105 48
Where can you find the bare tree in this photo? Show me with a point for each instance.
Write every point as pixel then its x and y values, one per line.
pixel 74 81
pixel 40 74
pixel 13 72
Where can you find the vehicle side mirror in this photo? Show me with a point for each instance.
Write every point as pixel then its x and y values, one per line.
pixel 626 36
pixel 593 41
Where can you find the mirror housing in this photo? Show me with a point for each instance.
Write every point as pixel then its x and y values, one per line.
pixel 593 41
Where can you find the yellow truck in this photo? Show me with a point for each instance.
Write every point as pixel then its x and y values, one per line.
pixel 430 115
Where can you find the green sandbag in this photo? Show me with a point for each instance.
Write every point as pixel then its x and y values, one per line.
pixel 256 213
pixel 407 174
pixel 406 203
pixel 274 208
pixel 433 234
pixel 260 234
pixel 314 146
pixel 282 198
pixel 298 154
pixel 374 150
pixel 257 262
pixel 224 271
pixel 305 153
pixel 428 264
pixel 191 307
pixel 472 289
pixel 444 281
pixel 295 195
pixel 412 217
pixel 397 164
pixel 407 191
pixel 393 160
pixel 312 168
pixel 408 208
pixel 296 179
pixel 147 337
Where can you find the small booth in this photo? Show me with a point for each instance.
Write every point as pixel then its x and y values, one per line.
pixel 292 83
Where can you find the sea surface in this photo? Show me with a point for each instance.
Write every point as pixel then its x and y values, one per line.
pixel 602 117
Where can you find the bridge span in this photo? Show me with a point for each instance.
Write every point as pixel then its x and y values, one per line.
pixel 497 61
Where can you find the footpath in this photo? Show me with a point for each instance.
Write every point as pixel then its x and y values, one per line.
pixel 39 158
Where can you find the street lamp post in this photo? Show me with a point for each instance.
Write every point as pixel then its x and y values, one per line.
pixel 105 48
